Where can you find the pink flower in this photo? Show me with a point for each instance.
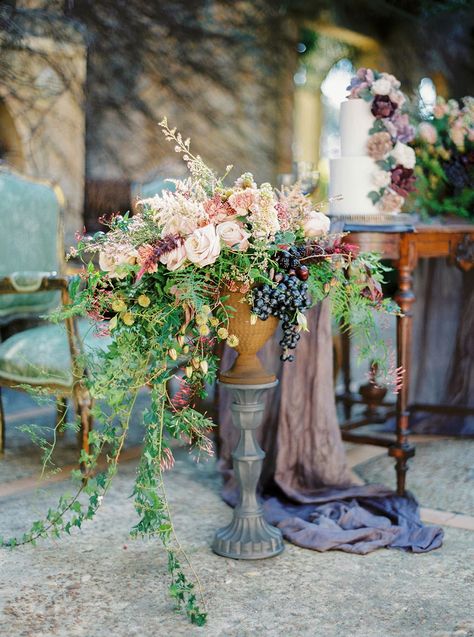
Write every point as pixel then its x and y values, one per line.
pixel 379 145
pixel 390 202
pixel 175 258
pixel 283 215
pixel 457 134
pixel 427 132
pixel 218 210
pixel 316 224
pixel 203 246
pixel 233 235
pixel 242 201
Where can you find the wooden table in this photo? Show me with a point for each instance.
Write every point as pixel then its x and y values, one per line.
pixel 404 249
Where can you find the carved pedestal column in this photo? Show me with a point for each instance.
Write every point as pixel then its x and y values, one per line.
pixel 248 536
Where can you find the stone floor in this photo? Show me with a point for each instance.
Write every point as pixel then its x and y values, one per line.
pixel 98 582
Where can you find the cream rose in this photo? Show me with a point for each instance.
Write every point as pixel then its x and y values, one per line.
pixel 381 87
pixel 381 178
pixel 175 258
pixel 316 224
pixel 203 246
pixel 397 97
pixel 233 235
pixel 112 263
pixel 183 226
pixel 404 155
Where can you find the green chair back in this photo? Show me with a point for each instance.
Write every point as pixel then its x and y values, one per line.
pixel 29 241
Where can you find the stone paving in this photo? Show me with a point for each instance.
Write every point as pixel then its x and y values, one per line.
pixel 99 583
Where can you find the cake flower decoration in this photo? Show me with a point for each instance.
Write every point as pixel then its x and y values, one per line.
pixel 388 138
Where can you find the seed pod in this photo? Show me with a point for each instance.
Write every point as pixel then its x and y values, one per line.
pixel 204 330
pixel 326 288
pixel 186 349
pixel 204 366
pixel 173 354
pixel 144 300
pixel 128 319
pixel 189 371
pixel 180 339
pixel 118 305
pixel 195 362
pixel 253 319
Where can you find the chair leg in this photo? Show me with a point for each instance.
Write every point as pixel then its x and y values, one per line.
pixel 2 425
pixel 61 411
pixel 83 406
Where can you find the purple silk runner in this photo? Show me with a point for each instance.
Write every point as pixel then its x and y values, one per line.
pixel 357 519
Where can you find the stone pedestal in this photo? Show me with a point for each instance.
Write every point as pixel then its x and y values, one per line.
pixel 248 536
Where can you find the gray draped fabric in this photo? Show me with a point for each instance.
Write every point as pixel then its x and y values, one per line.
pixel 443 345
pixel 305 481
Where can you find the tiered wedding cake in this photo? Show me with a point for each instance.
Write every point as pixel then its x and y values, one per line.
pixel 375 173
pixel 351 175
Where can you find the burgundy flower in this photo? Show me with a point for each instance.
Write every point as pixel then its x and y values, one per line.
pixel 382 106
pixel 403 180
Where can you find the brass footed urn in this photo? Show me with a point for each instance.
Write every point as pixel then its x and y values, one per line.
pixel 249 536
pixel 247 368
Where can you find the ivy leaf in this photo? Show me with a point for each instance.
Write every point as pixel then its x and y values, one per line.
pixel 374 196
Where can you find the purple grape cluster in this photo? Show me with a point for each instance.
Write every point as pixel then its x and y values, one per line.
pixel 283 300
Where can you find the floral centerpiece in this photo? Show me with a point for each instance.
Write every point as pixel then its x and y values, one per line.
pixel 444 148
pixel 161 290
pixel 388 138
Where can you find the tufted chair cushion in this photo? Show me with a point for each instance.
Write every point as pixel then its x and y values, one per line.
pixel 41 356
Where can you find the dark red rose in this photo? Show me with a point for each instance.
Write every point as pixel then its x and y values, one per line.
pixel 383 107
pixel 403 180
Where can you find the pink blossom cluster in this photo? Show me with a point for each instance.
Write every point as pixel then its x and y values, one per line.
pixel 450 120
pixel 194 227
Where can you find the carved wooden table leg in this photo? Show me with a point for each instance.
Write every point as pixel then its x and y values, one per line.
pixel 402 450
pixel 248 536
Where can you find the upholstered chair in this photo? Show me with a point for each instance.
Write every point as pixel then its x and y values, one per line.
pixel 46 356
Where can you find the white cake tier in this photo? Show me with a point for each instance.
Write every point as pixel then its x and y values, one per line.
pixel 351 177
pixel 355 121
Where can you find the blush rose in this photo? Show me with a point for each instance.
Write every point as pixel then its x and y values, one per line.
pixel 203 246
pixel 233 235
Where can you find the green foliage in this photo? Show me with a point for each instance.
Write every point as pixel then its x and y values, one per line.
pixel 165 321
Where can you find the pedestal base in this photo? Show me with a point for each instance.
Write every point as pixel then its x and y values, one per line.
pixel 248 536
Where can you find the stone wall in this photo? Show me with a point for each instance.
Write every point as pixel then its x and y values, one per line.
pixel 228 86
pixel 42 109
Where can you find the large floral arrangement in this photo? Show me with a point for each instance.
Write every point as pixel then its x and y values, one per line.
pixel 159 291
pixel 388 138
pixel 444 148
